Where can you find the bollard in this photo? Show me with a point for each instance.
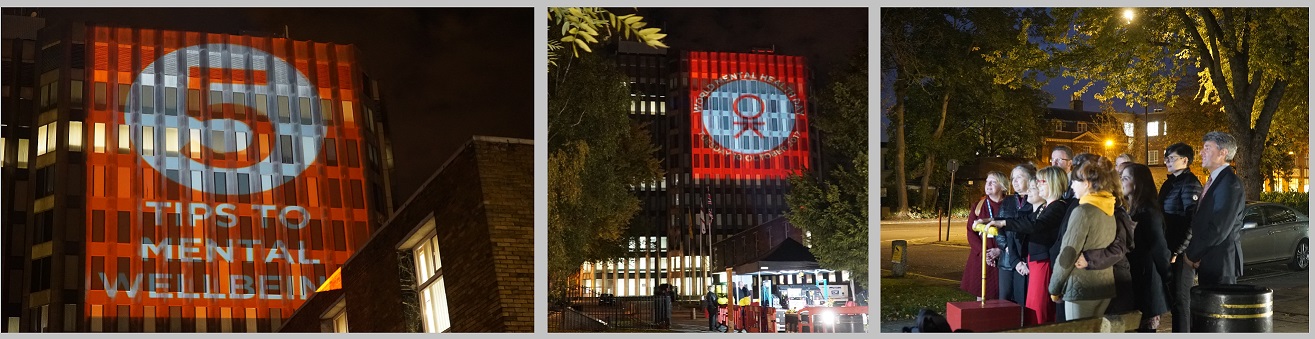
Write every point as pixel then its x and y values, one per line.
pixel 898 258
pixel 1232 308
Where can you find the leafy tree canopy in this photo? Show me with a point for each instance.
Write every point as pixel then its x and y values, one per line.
pixel 833 206
pixel 595 155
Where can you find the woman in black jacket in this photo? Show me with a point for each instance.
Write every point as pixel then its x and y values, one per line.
pixel 1012 244
pixel 1149 258
pixel 1041 228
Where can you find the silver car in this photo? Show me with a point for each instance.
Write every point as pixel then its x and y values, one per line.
pixel 1274 232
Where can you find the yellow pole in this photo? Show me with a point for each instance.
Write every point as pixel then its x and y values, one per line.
pixel 984 267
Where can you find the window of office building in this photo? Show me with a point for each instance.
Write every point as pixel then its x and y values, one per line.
pixel 46 138
pixel 326 110
pixel 98 93
pixel 194 142
pixel 170 101
pixel 75 91
pixel 347 112
pixel 98 137
pixel 124 89
pixel 284 109
pixel 303 106
pixel 433 295
pixel 171 146
pixel 41 139
pixel 75 136
pixel 45 181
pixel 125 134
pixel 22 153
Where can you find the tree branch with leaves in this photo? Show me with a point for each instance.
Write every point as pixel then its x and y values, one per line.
pixel 580 27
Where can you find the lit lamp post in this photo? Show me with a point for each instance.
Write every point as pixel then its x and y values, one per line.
pixel 1128 15
pixel 1108 143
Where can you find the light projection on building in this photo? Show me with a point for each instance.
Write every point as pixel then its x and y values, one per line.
pixel 225 173
pixel 748 115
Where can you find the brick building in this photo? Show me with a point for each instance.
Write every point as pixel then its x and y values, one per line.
pixel 477 208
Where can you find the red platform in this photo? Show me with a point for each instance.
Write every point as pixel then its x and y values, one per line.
pixel 996 315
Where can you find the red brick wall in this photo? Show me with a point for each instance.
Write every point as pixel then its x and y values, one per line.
pixel 482 203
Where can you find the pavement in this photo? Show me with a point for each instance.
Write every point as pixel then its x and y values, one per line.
pixel 931 256
pixel 681 322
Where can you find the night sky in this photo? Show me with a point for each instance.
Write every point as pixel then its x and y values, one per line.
pixel 827 37
pixel 444 74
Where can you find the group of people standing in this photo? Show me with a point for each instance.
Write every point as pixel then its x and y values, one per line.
pixel 1087 236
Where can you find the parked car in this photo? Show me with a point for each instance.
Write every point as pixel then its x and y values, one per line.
pixel 1274 232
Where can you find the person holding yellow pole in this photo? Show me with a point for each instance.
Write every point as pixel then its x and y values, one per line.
pixel 983 252
pixel 987 233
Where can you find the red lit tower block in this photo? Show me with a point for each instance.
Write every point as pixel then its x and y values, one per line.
pixel 991 316
pixel 231 183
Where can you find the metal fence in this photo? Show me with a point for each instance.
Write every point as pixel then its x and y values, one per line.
pixel 585 310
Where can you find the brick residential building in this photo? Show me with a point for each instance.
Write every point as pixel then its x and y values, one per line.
pixel 478 209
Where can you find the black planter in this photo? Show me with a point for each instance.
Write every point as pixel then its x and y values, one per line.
pixel 1232 308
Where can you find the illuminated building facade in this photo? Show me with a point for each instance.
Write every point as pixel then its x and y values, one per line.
pixel 730 128
pixel 191 182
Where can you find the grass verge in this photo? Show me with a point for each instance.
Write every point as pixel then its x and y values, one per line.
pixel 901 298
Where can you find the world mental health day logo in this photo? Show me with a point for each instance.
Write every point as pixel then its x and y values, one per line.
pixel 749 115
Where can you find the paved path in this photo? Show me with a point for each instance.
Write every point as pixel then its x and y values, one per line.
pixel 681 322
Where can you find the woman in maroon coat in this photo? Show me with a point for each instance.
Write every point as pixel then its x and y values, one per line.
pixel 986 208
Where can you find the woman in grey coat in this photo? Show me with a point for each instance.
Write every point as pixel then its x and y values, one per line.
pixel 1091 225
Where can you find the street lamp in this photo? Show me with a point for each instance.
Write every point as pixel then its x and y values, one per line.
pixel 1129 14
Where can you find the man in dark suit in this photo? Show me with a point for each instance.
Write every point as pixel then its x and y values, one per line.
pixel 1215 251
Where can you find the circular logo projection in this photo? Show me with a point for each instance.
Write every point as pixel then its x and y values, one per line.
pixel 748 117
pixel 183 141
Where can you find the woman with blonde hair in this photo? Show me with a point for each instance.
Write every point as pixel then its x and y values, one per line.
pixel 988 207
pixel 1091 225
pixel 1042 230
pixel 1013 245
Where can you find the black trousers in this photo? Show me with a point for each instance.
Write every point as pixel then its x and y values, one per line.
pixel 1180 295
pixel 1013 286
pixel 712 319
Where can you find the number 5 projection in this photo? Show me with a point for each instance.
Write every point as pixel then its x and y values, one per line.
pixel 225 178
